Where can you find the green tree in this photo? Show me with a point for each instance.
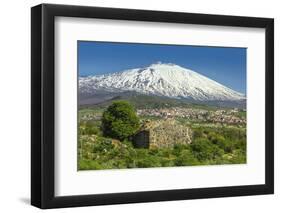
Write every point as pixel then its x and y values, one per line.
pixel 120 120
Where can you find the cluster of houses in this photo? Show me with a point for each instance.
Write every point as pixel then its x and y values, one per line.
pixel 215 116
pixel 90 116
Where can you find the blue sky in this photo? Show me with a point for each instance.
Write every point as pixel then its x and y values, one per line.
pixel 225 65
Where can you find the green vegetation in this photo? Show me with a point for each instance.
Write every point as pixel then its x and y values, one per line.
pixel 119 120
pixel 105 138
pixel 210 146
pixel 104 153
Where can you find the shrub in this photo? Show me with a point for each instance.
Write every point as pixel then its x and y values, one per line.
pixel 220 141
pixel 197 133
pixel 204 150
pixel 186 158
pixel 120 121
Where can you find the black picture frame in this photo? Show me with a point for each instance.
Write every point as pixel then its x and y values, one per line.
pixel 43 111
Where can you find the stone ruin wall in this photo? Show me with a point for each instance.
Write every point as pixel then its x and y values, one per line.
pixel 167 133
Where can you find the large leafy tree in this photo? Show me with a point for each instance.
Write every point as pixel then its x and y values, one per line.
pixel 120 120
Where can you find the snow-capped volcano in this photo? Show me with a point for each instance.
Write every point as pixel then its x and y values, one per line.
pixel 161 79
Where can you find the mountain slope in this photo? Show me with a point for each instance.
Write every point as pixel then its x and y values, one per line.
pixel 159 79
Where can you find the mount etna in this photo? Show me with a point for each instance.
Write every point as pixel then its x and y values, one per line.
pixel 159 81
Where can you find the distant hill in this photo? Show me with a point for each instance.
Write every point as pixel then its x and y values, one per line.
pixel 148 101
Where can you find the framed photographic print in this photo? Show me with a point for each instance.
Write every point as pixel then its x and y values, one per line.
pixel 139 106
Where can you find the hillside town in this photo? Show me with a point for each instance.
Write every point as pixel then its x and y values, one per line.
pixel 230 116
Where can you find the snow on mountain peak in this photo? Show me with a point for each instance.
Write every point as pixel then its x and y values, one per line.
pixel 162 79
